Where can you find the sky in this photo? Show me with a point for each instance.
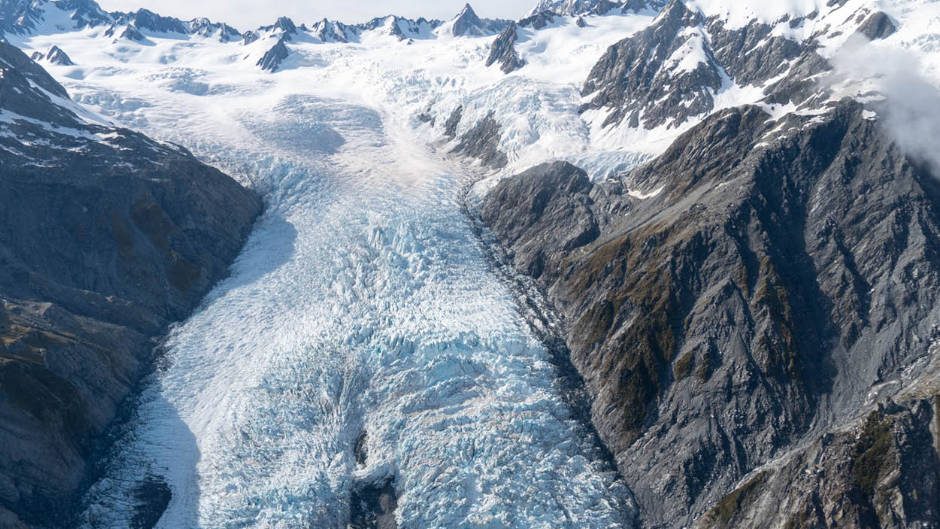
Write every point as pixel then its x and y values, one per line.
pixel 248 14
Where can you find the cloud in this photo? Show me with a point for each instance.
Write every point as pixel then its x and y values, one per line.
pixel 909 105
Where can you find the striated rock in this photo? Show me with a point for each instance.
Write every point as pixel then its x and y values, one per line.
pixel 150 21
pixel 595 7
pixel 735 298
pixel 272 59
pixel 468 24
pixel 453 121
pixel 250 37
pixel 482 142
pixel 673 70
pixel 55 55
pixel 878 26
pixel 206 28
pixel 661 73
pixel 19 16
pixel 24 16
pixel 538 20
pixel 503 50
pixel 106 237
pixel 881 471
pixel 329 31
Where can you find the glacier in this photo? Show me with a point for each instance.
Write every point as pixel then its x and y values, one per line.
pixel 364 306
pixel 363 302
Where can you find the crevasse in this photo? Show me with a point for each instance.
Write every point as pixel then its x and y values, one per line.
pixel 362 302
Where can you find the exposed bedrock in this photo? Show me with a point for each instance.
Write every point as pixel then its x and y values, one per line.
pixel 106 237
pixel 737 298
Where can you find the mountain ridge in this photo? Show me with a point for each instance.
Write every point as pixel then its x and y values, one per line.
pixel 106 238
pixel 744 295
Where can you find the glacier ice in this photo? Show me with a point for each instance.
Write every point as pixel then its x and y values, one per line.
pixel 362 302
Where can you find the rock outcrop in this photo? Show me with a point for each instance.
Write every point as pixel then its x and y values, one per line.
pixel 272 59
pixel 686 64
pixel 106 237
pixel 55 55
pixel 481 141
pixel 503 50
pixel 737 299
pixel 468 24
pixel 594 7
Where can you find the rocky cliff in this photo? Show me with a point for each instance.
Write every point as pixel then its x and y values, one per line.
pixel 106 237
pixel 739 306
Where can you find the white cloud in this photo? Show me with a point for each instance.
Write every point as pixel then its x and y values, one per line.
pixel 247 14
pixel 911 105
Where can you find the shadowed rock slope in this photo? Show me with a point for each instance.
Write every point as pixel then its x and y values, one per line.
pixel 731 306
pixel 106 237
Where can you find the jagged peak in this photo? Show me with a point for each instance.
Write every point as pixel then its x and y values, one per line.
pixel 575 8
pixel 284 24
pixel 741 12
pixel 467 11
pixel 467 23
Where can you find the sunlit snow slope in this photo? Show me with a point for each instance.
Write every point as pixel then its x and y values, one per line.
pixel 361 303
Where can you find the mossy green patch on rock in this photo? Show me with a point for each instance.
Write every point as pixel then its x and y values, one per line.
pixel 597 322
pixel 683 367
pixel 724 512
pixel 780 348
pixel 873 452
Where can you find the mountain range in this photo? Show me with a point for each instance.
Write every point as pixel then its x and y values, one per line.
pixel 722 215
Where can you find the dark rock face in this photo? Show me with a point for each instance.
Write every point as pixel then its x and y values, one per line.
pixel 148 20
pixel 55 55
pixel 482 142
pixel 672 71
pixel 878 26
pixel 633 77
pixel 373 507
pixel 468 24
pixel 106 237
pixel 503 51
pixel 453 121
pixel 272 59
pixel 85 13
pixel 19 16
pixel 745 307
pixel 249 37
pixel 595 7
pixel 152 497
pixel 284 25
pixel 22 17
pixel 881 472
pixel 329 31
pixel 538 20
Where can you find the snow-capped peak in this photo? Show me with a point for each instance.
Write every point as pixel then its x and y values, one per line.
pixel 594 7
pixel 468 24
pixel 739 13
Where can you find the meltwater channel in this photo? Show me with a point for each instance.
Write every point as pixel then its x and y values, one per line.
pixel 362 309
